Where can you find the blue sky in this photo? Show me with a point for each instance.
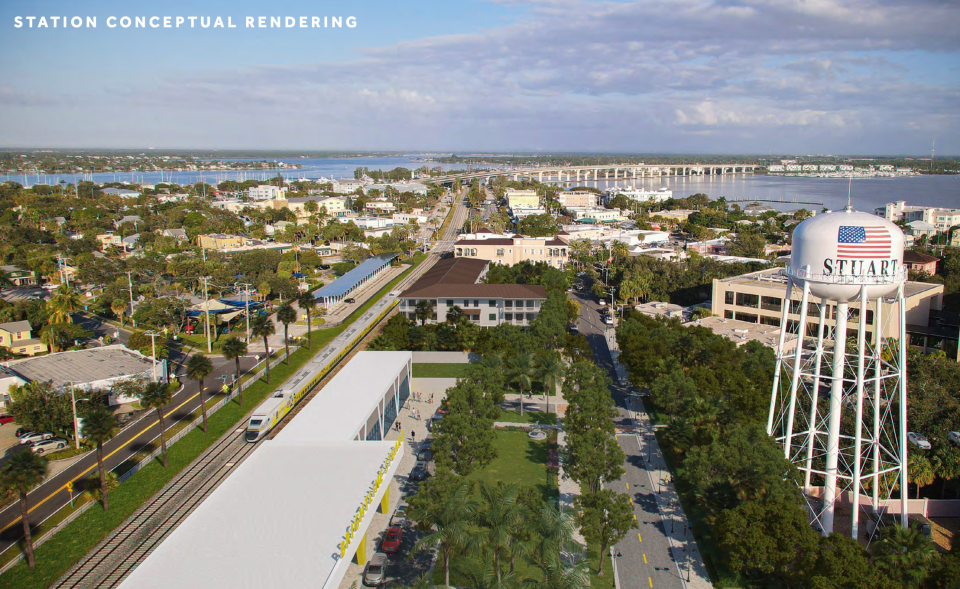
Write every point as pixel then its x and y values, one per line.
pixel 746 76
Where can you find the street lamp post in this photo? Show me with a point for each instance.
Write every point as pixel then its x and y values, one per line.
pixel 76 424
pixel 153 349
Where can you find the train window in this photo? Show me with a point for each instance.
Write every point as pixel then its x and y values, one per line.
pixel 255 422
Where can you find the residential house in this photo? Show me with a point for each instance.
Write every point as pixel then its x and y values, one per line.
pixel 921 228
pixel 456 282
pixel 121 192
pixel 135 219
pixel 920 262
pixel 108 240
pixel 17 338
pixel 178 234
pixel 20 277
pixel 266 192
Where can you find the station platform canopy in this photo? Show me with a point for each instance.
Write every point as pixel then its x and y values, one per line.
pixel 337 290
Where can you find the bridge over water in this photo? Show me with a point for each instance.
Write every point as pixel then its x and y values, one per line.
pixel 601 173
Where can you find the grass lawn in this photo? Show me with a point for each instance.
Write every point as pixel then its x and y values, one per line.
pixel 439 370
pixel 69 545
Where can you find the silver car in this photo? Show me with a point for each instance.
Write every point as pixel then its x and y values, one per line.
pixel 918 440
pixel 376 571
pixel 31 437
pixel 50 444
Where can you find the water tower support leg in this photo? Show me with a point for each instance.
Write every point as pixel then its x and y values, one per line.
pixel 902 328
pixel 785 310
pixel 795 380
pixel 833 430
pixel 858 435
pixel 878 375
pixel 814 421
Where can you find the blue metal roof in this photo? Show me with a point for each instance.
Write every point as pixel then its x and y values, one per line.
pixel 351 279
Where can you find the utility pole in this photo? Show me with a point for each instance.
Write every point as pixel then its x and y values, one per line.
pixel 130 284
pixel 153 349
pixel 206 304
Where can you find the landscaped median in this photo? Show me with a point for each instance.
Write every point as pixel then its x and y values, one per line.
pixel 80 536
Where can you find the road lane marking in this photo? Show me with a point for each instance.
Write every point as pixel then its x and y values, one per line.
pixel 644 559
pixel 635 520
pixel 639 538
pixel 628 485
pixel 92 467
pixel 650 580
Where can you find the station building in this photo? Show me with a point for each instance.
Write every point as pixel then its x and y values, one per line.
pixel 295 513
pixel 340 289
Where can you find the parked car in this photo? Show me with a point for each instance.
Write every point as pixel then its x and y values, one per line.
pixel 22 430
pixel 31 437
pixel 325 266
pixel 48 286
pixel 603 303
pixel 424 455
pixel 399 516
pixel 376 571
pixel 918 440
pixel 954 437
pixel 608 319
pixel 351 300
pixel 391 541
pixel 5 418
pixel 48 444
pixel 419 471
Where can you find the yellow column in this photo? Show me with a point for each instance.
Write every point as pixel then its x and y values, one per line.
pixel 362 550
pixel 385 501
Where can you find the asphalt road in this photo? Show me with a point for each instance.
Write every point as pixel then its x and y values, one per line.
pixel 645 560
pixel 52 495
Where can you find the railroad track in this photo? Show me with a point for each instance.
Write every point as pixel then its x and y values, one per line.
pixel 116 557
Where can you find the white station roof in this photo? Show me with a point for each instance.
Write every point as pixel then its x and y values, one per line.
pixel 277 521
pixel 342 407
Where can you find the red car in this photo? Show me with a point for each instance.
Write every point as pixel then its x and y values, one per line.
pixel 391 542
pixel 6 419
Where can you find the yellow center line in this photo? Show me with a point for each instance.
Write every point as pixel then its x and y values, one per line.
pixel 644 559
pixel 94 465
pixel 649 580
pixel 639 538
pixel 635 519
pixel 628 485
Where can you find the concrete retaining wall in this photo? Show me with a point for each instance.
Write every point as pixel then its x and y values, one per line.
pixel 432 385
pixel 445 357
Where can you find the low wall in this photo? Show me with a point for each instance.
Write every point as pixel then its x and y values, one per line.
pixel 432 385
pixel 445 357
pixel 925 507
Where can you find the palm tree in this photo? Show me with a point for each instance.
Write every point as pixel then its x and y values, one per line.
pixel 550 372
pixel 99 426
pixel 308 303
pixel 119 307
pixel 424 311
pixel 263 327
pixel 553 530
pixel 155 395
pixel 905 554
pixel 451 521
pixel 519 369
pixel 454 315
pixel 234 349
pixel 22 472
pixel 199 367
pixel 499 518
pixel 63 303
pixel 286 315
pixel 920 471
pixel 620 250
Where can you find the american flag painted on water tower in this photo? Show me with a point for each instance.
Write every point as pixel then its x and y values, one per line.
pixel 863 242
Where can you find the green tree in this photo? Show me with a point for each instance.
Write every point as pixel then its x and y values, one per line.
pixel 118 307
pixel 199 367
pixel 64 302
pixel 843 564
pixel 550 372
pixel 99 425
pixel 21 472
pixel 37 406
pixel 905 555
pixel 464 439
pixel 423 311
pixel 920 470
pixel 520 370
pixel 498 519
pixel 553 530
pixel 234 349
pixel 450 522
pixel 154 396
pixel 264 327
pixel 605 517
pixel 286 315
pixel 308 303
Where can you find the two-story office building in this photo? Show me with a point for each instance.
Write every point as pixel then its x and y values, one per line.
pixel 16 337
pixel 514 249
pixel 757 298
pixel 455 282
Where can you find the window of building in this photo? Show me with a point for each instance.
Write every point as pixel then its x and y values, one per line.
pixel 508 316
pixel 500 251
pixel 771 303
pixel 747 300
pixel 492 317
pixel 774 321
pixel 795 307
pixel 530 304
pixel 508 304
pixel 748 317
pixel 728 314
pixel 493 303
pixel 449 303
pixel 476 303
pixel 531 316
pixel 869 317
pixel 728 297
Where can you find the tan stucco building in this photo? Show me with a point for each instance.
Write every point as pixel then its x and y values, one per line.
pixel 220 241
pixel 522 198
pixel 513 250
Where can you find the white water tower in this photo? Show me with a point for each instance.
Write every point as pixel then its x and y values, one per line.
pixel 839 400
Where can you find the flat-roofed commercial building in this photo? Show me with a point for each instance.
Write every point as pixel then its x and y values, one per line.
pixel 523 198
pixel 581 199
pixel 513 250
pixel 220 241
pixel 456 283
pixel 757 298
pixel 296 512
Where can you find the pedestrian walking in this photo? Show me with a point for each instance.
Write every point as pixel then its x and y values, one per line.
pixel 413 436
pixel 431 398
